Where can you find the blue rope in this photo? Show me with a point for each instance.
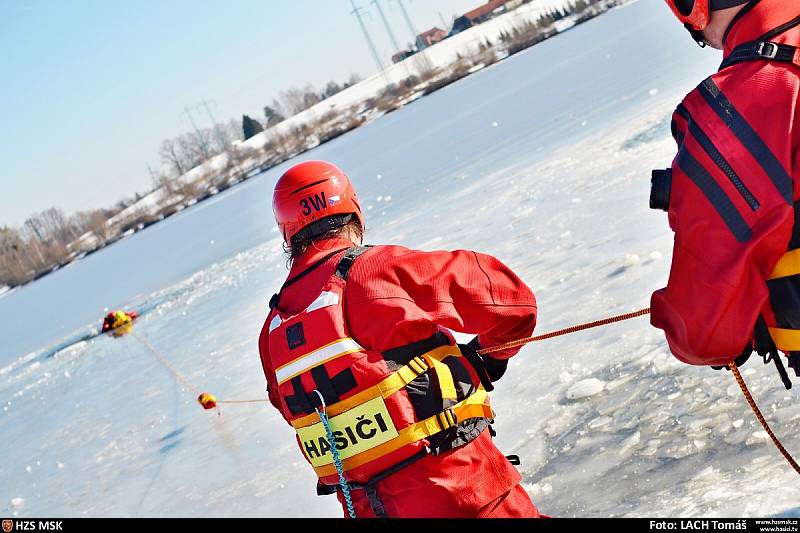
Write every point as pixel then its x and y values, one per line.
pixel 337 460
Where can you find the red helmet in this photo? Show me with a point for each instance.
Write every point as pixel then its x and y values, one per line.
pixel 692 13
pixel 308 194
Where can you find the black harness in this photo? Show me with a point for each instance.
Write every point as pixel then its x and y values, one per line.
pixel 765 50
pixel 762 51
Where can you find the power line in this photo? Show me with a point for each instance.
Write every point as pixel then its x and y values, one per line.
pixel 357 12
pixel 200 137
pixel 410 24
pixel 423 62
pixel 191 119
pixel 389 31
pixel 217 130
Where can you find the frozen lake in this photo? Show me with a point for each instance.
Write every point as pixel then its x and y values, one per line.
pixel 542 160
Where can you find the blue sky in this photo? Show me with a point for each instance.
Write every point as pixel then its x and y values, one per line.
pixel 91 87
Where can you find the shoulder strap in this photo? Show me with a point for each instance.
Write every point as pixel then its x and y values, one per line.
pixel 273 302
pixel 276 298
pixel 762 51
pixel 342 269
pixel 348 260
pixel 765 50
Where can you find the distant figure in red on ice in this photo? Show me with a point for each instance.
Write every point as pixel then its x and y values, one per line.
pixel 362 334
pixel 732 192
pixel 119 321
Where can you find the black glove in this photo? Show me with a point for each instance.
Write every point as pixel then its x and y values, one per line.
pixel 495 368
pixel 488 368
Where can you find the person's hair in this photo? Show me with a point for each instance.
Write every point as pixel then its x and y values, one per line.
pixel 301 243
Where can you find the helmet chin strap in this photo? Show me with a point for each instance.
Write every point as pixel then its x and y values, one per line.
pixel 697 35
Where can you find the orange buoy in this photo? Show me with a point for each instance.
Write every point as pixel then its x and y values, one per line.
pixel 207 400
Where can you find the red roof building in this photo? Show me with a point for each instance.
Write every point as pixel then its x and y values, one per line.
pixel 479 14
pixel 430 37
pixel 484 12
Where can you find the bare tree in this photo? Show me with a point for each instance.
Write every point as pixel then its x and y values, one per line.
pixel 172 155
pixel 57 226
pixel 50 228
pixel 274 113
pixel 97 223
pixel 188 189
pixel 310 97
pixel 163 181
pixel 13 267
pixel 352 80
pixel 225 135
pixel 198 145
pixel 291 101
pixel 234 132
pixel 294 100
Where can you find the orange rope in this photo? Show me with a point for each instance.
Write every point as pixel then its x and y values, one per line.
pixel 177 375
pixel 635 314
pixel 760 417
pixel 521 342
pixel 565 331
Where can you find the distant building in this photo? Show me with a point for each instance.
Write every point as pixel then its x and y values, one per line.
pixel 481 14
pixel 430 37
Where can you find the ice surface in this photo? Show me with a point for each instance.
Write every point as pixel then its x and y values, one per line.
pixel 585 388
pixel 107 431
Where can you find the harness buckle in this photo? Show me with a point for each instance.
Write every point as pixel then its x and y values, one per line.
pixel 767 50
pixel 419 365
pixel 447 419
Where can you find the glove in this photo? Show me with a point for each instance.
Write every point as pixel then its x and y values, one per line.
pixel 495 368
pixel 488 368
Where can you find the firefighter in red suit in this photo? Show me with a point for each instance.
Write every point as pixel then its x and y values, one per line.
pixel 732 192
pixel 362 335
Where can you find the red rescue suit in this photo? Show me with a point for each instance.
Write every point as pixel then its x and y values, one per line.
pixel 398 305
pixel 734 194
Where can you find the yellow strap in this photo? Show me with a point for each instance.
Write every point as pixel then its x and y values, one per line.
pixel 444 377
pixel 788 265
pixel 474 406
pixel 391 384
pixel 787 340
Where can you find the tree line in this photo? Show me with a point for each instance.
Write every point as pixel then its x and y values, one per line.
pixel 293 101
pixel 46 241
